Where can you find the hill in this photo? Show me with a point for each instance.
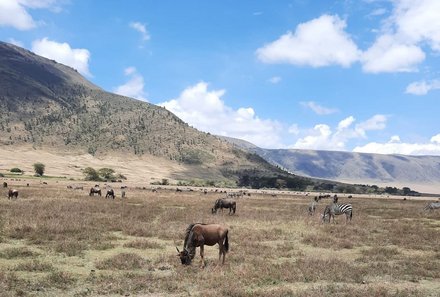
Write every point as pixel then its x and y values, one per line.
pixel 419 172
pixel 49 107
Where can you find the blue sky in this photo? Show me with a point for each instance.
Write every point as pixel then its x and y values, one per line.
pixel 336 75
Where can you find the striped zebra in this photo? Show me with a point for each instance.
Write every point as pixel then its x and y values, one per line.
pixel 432 206
pixel 337 209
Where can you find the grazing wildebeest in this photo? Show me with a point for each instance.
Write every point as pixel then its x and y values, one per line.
pixel 5 184
pixel 122 194
pixel 337 209
pixel 198 235
pixel 69 187
pixel 178 190
pixel 432 206
pixel 12 193
pixel 95 190
pixel 110 194
pixel 224 203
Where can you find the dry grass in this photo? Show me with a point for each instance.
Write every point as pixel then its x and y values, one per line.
pixel 56 242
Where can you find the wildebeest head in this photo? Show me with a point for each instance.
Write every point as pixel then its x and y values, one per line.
pixel 184 256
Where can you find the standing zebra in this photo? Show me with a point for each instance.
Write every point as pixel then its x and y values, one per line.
pixel 312 206
pixel 432 206
pixel 337 209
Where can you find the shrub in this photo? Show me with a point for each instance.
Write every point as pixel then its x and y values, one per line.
pixel 16 170
pixel 91 174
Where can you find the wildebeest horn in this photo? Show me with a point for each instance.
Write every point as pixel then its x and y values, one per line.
pixel 177 249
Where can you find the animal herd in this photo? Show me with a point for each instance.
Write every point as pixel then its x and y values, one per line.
pixel 201 234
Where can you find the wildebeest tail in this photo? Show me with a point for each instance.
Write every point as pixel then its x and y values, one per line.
pixel 226 242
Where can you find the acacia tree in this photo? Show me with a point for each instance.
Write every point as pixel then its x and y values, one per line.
pixel 39 168
pixel 91 174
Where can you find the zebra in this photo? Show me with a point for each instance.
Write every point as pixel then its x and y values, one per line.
pixel 337 209
pixel 312 206
pixel 432 206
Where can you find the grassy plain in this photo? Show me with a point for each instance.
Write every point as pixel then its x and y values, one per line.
pixel 56 241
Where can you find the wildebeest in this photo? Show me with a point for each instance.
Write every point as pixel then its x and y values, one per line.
pixel 110 194
pixel 12 193
pixel 198 235
pixel 122 194
pixel 224 203
pixel 432 206
pixel 95 190
pixel 5 184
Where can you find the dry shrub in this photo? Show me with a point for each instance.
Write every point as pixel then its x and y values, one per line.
pixel 34 266
pixel 123 261
pixel 20 252
pixel 143 244
pixel 59 279
pixel 70 248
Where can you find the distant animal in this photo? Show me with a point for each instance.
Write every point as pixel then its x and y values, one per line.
pixel 110 194
pixel 178 190
pixel 12 193
pixel 224 203
pixel 312 206
pixel 5 184
pixel 44 183
pixel 122 194
pixel 337 209
pixel 95 190
pixel 432 206
pixel 123 187
pixel 199 235
pixel 69 187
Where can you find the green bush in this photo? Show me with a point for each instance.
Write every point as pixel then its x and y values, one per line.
pixel 39 168
pixel 16 170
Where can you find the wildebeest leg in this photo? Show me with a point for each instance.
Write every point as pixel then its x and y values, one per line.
pixel 201 255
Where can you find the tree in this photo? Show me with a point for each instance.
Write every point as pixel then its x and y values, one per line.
pixel 39 168
pixel 106 173
pixel 91 174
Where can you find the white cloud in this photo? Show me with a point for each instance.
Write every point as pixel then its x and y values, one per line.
pixel 63 53
pixel 294 129
pixel 412 24
pixel 205 110
pixel 422 87
pixel 134 87
pixel 387 54
pixel 141 29
pixel 318 109
pixel 14 13
pixel 395 146
pixel 319 42
pixel 418 21
pixel 322 137
pixel 274 79
pixel 15 42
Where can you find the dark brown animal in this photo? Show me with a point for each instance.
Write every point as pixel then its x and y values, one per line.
pixel 12 193
pixel 224 203
pixel 110 194
pixel 199 235
pixel 94 191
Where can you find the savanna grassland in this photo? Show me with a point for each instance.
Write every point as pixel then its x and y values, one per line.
pixel 61 242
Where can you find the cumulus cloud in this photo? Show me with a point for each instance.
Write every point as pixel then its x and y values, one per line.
pixel 395 146
pixel 134 87
pixel 318 109
pixel 77 58
pixel 422 87
pixel 387 54
pixel 14 13
pixel 205 110
pixel 319 42
pixel 323 137
pixel 141 28
pixel 398 48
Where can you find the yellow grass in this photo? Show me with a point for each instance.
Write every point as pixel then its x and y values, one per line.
pixel 56 241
